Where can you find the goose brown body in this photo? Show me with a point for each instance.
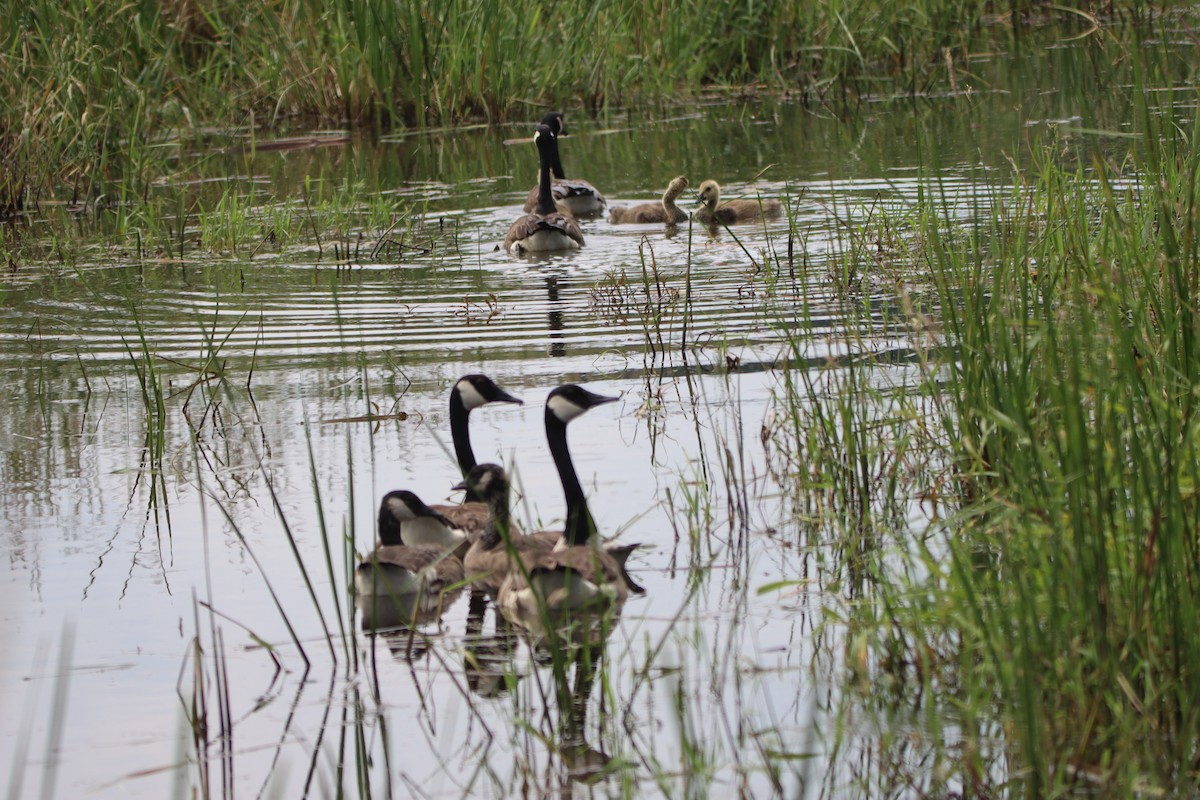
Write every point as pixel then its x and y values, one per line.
pixel 523 571
pixel 398 581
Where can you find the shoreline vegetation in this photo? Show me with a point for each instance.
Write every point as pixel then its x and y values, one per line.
pixel 98 102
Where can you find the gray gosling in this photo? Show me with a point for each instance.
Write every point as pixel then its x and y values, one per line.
pixel 664 211
pixel 745 210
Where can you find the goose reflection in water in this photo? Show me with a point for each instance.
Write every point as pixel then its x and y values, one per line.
pixel 574 657
pixel 488 658
pixel 405 621
pixel 558 347
pixel 570 657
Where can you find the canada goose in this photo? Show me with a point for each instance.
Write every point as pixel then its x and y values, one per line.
pixel 405 520
pixel 469 393
pixel 411 576
pixel 734 210
pixel 563 405
pixel 576 196
pixel 575 574
pixel 487 560
pixel 487 563
pixel 664 211
pixel 523 573
pixel 545 228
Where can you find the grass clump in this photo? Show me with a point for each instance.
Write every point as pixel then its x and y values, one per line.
pixel 1070 418
pixel 1042 419
pixel 1042 627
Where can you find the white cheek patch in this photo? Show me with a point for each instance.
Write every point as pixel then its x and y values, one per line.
pixel 471 398
pixel 400 510
pixel 563 408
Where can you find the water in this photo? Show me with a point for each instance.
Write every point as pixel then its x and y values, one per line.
pixel 151 553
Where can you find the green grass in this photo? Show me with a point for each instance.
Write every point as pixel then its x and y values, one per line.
pixel 1040 631
pixel 100 105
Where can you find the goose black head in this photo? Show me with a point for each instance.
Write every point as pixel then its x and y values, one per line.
pixel 479 390
pixel 570 400
pixel 399 507
pixel 488 481
pixel 554 121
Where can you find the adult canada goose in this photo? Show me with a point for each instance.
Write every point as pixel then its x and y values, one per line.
pixel 469 393
pixel 578 197
pixel 545 228
pixel 664 211
pixel 734 210
pixel 405 520
pixel 563 405
pixel 562 571
pixel 411 576
pixel 487 561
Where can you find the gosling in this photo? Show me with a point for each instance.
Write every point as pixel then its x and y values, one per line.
pixel 734 210
pixel 664 211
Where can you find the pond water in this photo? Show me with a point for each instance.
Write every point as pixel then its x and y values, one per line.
pixel 160 557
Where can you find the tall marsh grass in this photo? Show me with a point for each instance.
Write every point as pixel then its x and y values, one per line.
pixel 98 102
pixel 1042 626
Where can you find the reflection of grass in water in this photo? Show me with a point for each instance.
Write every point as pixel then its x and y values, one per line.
pixel 55 724
pixel 154 406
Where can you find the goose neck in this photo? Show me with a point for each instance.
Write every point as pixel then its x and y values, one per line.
pixel 579 523
pixel 460 433
pixel 547 155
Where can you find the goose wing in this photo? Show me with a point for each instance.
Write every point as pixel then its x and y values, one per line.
pixel 567 192
pixel 532 224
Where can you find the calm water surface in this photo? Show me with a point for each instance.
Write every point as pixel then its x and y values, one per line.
pixel 148 553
